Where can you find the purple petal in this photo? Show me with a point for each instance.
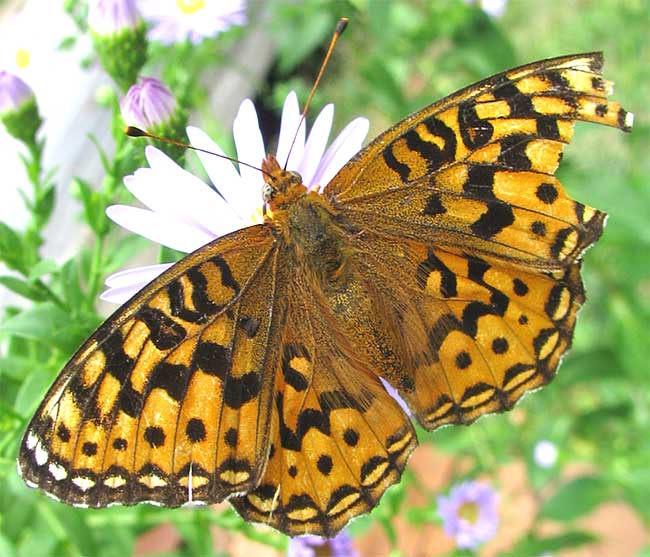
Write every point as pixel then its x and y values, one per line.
pixel 106 17
pixel 147 104
pixel 394 394
pixel 13 92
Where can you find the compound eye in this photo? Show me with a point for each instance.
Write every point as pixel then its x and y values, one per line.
pixel 267 192
pixel 295 175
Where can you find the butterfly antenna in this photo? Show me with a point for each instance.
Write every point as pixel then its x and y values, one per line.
pixel 132 131
pixel 338 31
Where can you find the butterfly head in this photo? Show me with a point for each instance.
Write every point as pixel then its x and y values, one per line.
pixel 281 187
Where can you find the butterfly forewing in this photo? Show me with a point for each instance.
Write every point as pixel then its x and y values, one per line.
pixel 167 401
pixel 476 169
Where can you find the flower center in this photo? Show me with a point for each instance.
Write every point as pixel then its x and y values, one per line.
pixel 190 6
pixel 469 511
pixel 22 58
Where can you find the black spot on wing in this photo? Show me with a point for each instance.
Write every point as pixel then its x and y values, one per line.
pixel 293 377
pixel 497 217
pixel 240 390
pixel 480 181
pixel 448 286
pixel 155 436
pixel 434 206
pixel 165 333
pixel 227 278
pixel 195 430
pixel 213 359
pixel 474 131
pixel 170 377
pixel 434 156
pixel 439 331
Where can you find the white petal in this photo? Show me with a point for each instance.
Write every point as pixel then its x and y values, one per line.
pixel 342 149
pixel 122 294
pixel 316 143
pixel 240 195
pixel 171 190
pixel 137 274
pixel 165 230
pixel 249 143
pixel 123 285
pixel 288 127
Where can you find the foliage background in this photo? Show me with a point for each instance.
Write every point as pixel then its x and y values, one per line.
pixel 394 58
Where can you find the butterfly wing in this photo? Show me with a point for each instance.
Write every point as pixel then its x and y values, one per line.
pixel 474 335
pixel 338 439
pixel 167 401
pixel 472 242
pixel 474 171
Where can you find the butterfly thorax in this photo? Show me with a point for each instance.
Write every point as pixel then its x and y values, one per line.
pixel 307 222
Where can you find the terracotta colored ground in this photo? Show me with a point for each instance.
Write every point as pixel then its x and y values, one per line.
pixel 619 528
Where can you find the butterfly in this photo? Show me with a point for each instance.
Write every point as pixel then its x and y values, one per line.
pixel 443 258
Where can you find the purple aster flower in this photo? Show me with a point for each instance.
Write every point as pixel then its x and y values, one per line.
pixel 545 454
pixel 107 17
pixel 14 92
pixel 184 213
pixel 176 20
pixel 469 514
pixel 148 104
pixel 315 546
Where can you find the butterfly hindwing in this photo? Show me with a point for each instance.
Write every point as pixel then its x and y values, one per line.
pixel 477 335
pixel 166 402
pixel 339 440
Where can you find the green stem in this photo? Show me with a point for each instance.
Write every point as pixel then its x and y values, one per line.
pixel 95 269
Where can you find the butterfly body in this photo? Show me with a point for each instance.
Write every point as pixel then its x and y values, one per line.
pixel 444 258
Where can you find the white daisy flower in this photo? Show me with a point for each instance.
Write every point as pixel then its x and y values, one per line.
pixel 184 213
pixel 176 20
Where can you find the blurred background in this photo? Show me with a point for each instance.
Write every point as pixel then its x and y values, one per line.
pixel 570 464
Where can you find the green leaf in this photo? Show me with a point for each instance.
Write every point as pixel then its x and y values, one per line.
pixel 23 288
pixel 93 205
pixel 11 248
pixel 70 285
pixel 45 203
pixel 576 498
pixel 49 324
pixel 31 391
pixel 541 546
pixel 43 267
pixel 16 367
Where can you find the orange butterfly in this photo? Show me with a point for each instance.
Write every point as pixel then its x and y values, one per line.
pixel 444 258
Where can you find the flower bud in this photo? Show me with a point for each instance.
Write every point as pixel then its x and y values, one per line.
pixel 18 108
pixel 119 36
pixel 150 105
